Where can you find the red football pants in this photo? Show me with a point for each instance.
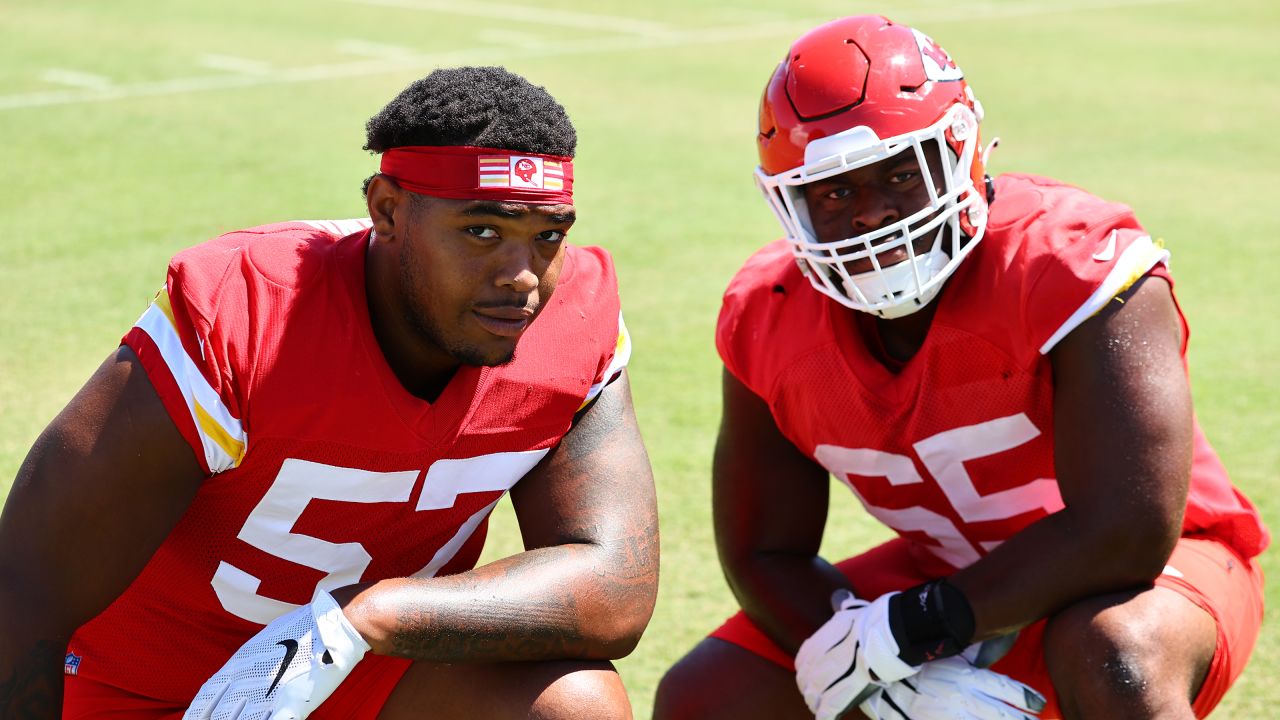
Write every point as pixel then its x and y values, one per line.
pixel 1205 571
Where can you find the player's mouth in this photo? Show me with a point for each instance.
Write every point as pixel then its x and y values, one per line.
pixel 504 321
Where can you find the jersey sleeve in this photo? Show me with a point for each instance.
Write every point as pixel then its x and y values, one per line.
pixel 613 362
pixel 593 270
pixel 191 342
pixel 1075 253
pixel 746 329
pixel 1123 255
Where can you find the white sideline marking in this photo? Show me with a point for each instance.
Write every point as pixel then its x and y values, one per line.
pixel 234 64
pixel 512 38
pixel 529 13
pixel 982 11
pixel 365 48
pixel 488 55
pixel 75 78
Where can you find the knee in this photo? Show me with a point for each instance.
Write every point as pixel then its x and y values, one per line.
pixel 682 695
pixel 1103 660
pixel 589 693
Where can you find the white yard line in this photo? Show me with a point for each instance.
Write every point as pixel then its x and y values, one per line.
pixel 231 63
pixel 985 11
pixel 76 78
pixel 501 38
pixel 489 55
pixel 366 48
pixel 530 14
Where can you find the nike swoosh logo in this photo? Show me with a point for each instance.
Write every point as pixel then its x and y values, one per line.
pixel 290 649
pixel 1108 252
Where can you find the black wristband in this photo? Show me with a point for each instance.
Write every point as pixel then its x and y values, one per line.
pixel 930 621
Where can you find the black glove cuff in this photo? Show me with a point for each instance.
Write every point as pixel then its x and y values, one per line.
pixel 930 621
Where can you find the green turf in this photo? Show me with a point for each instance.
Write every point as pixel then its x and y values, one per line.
pixel 1169 106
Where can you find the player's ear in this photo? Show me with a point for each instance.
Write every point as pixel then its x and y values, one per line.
pixel 383 198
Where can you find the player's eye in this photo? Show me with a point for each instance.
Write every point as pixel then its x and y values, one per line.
pixel 904 176
pixel 483 232
pixel 839 193
pixel 550 236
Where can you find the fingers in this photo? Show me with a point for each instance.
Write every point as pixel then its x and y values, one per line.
pixel 1005 689
pixel 951 689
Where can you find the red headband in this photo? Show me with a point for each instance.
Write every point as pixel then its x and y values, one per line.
pixel 476 173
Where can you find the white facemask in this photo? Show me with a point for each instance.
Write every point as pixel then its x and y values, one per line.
pixel 904 287
pixel 884 286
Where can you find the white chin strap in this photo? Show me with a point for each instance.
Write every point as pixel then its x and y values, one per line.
pixel 891 282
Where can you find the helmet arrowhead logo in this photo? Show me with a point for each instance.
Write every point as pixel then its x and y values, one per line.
pixel 524 169
pixel 938 65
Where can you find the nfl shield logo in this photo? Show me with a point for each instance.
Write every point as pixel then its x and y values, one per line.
pixel 71 664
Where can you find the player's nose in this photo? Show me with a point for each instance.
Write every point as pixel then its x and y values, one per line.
pixel 872 211
pixel 518 269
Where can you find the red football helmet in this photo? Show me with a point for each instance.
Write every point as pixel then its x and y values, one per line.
pixel 857 91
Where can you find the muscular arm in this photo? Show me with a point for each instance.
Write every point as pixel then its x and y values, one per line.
pixel 1122 451
pixel 586 584
pixel 99 491
pixel 770 506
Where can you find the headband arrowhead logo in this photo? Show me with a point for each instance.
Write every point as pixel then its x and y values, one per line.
pixel 526 172
pixel 525 169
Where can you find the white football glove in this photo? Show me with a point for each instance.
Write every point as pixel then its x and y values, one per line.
pixel 952 689
pixel 286 670
pixel 849 658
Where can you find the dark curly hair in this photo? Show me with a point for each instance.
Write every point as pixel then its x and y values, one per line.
pixel 482 106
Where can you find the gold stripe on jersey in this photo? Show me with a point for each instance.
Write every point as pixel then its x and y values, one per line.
pixel 1136 260
pixel 210 428
pixel 621 356
pixel 162 301
pixel 222 438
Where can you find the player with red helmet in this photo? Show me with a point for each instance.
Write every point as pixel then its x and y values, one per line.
pixel 271 499
pixel 996 369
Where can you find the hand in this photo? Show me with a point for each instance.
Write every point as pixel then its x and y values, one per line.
pixel 952 689
pixel 849 658
pixel 286 670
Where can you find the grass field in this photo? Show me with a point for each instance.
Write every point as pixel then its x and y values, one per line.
pixel 131 129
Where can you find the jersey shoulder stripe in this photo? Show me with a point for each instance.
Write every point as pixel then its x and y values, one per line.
pixel 340 228
pixel 222 436
pixel 1137 259
pixel 621 356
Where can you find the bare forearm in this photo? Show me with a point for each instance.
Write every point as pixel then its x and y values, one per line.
pixel 788 596
pixel 30 675
pixel 1122 455
pixel 1058 560
pixel 562 602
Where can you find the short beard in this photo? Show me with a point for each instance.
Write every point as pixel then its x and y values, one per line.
pixel 421 319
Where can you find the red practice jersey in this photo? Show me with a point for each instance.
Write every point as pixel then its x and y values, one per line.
pixel 954 450
pixel 323 470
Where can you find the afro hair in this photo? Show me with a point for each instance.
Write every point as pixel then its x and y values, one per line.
pixel 480 106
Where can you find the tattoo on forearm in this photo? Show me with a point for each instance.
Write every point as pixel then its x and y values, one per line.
pixel 494 630
pixel 33 691
pixel 591 564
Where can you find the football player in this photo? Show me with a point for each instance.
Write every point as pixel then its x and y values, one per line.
pixel 996 369
pixel 270 500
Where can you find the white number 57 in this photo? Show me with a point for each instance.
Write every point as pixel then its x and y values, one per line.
pixel 270 526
